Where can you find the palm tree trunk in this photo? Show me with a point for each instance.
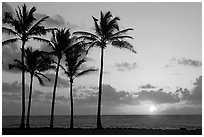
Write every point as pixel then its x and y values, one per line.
pixel 22 125
pixel 99 125
pixel 54 92
pixel 29 103
pixel 72 107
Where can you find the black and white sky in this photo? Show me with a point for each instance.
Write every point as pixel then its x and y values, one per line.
pixel 165 72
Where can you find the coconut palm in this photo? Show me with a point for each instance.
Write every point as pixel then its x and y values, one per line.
pixel 73 63
pixel 35 64
pixel 106 33
pixel 60 42
pixel 23 27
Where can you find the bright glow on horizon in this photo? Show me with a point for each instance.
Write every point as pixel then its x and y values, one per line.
pixel 152 108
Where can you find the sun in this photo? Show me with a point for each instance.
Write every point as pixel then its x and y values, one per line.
pixel 152 108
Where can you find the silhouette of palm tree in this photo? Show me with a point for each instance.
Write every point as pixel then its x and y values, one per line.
pixel 23 28
pixel 60 42
pixel 73 63
pixel 106 33
pixel 35 64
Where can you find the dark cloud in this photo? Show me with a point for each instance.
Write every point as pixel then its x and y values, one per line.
pixel 158 96
pixel 55 21
pixel 9 53
pixel 124 66
pixel 194 96
pixel 187 62
pixel 61 83
pixel 6 8
pixel 12 92
pixel 109 96
pixel 14 87
pixel 147 86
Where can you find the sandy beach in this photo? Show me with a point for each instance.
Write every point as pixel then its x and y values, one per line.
pixel 91 131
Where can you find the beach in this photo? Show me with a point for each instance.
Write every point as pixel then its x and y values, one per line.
pixel 93 131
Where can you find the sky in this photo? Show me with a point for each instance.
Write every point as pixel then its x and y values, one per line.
pixel 164 77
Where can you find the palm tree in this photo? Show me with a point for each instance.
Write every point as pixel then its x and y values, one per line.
pixel 23 28
pixel 60 42
pixel 73 63
pixel 35 64
pixel 106 33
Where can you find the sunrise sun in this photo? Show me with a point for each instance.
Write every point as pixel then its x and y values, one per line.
pixel 152 108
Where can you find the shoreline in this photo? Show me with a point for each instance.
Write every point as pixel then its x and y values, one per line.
pixel 104 131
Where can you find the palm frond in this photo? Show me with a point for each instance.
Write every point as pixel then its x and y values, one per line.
pixel 123 45
pixel 97 28
pixel 18 65
pixel 84 72
pixel 86 38
pixel 10 41
pixel 9 31
pixel 113 24
pixel 46 41
pixel 84 33
pixel 15 66
pixel 29 18
pixel 40 80
pixel 37 24
pixel 79 63
pixel 92 45
pixel 122 32
pixel 41 74
pixel 120 37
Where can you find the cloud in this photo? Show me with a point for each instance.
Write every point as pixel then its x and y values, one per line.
pixel 187 62
pixel 14 87
pixel 109 96
pixel 12 92
pixel 62 83
pixel 147 86
pixel 55 21
pixel 158 96
pixel 6 8
pixel 9 53
pixel 125 66
pixel 194 96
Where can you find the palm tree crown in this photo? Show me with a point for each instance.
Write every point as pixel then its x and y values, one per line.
pixel 35 64
pixel 24 26
pixel 73 63
pixel 106 32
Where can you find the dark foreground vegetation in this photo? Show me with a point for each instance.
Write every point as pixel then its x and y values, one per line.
pixel 104 131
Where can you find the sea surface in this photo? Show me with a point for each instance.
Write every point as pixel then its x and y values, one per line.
pixel 112 121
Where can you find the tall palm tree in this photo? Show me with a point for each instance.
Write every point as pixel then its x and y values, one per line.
pixel 73 63
pixel 106 33
pixel 35 64
pixel 61 41
pixel 24 27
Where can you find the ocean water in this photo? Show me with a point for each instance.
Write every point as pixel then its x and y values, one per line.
pixel 112 121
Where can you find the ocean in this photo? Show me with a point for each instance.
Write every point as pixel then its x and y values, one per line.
pixel 112 121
